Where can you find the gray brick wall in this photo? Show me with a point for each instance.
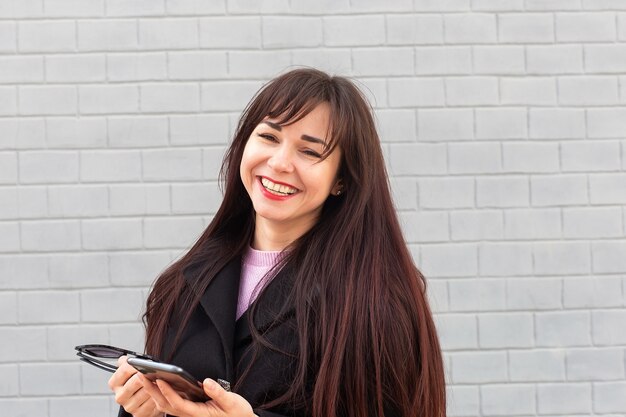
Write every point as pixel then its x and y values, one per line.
pixel 504 129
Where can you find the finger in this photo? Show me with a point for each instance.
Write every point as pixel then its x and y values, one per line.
pixel 122 374
pixel 218 394
pixel 178 404
pixel 155 393
pixel 124 393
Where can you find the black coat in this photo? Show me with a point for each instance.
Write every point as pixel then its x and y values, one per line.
pixel 216 345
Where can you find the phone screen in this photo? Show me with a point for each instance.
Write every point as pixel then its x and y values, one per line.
pixel 179 379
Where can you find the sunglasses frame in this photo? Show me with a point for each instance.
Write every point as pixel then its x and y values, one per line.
pixel 84 354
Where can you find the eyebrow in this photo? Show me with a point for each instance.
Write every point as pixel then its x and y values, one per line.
pixel 305 137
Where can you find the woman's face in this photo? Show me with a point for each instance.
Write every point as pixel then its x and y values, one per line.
pixel 284 174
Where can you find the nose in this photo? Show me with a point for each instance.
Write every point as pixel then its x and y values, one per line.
pixel 280 161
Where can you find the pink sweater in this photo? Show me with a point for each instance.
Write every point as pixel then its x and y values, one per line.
pixel 255 264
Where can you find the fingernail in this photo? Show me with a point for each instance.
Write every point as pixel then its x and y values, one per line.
pixel 210 384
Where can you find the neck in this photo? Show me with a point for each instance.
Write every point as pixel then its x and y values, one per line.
pixel 276 236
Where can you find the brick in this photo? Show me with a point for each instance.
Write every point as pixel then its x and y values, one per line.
pixel 182 164
pixel 529 91
pixel 231 32
pixel 21 8
pixel 375 61
pixel 498 5
pixel 47 235
pixel 415 159
pixel 445 124
pixel 442 5
pixel 9 205
pixel 289 32
pixel 445 60
pixel 53 378
pixel 621 26
pixel 404 193
pixel 610 58
pixel 505 259
pixel 42 307
pixel 244 64
pixel 509 191
pixel 212 163
pixel 135 8
pixel 319 7
pixel 505 330
pixel 414 29
pixel 194 65
pixel 375 92
pixel 457 331
pixel 537 365
pixel 608 256
pixel 437 263
pixel 47 36
pixel 585 27
pixel 596 155
pixel 592 292
pixel 470 28
pixel 196 198
pixel 608 327
pixel 8 167
pixel 606 123
pixel 137 67
pixel 110 166
pixel 426 226
pixel 74 8
pixel 78 201
pixel 61 339
pixel 396 125
pixel 9 379
pixel 8 101
pixel 23 271
pixel 8 36
pixel 416 92
pixel 25 133
pixel 609 397
pixel 96 305
pixel 479 367
pixel 354 30
pixel 588 91
pixel 254 7
pixel 107 35
pixel 474 158
pixel 31 341
pixel 462 401
pixel 563 398
pixel 140 199
pixel 560 258
pixel 595 364
pixel 532 224
pixel 334 61
pixel 376 6
pixel 205 129
pixel 10 240
pixel 129 334
pixel 111 234
pixel 559 190
pixel 526 28
pixel 510 399
pixel 438 296
pixel 24 407
pixel 48 100
pixel 78 270
pixel 533 294
pixel 94 381
pixel 227 96
pixel 168 33
pixel 560 329
pixel 557 123
pixel 499 60
pixel 108 99
pixel 476 224
pixel 553 4
pixel 471 91
pixel 187 7
pixel 85 68
pixel 597 222
pixel 138 132
pixel 476 295
pixel 452 192
pixel 21 69
pixel 554 59
pixel 603 5
pixel 69 132
pixel 607 188
pixel 177 232
pixel 137 268
pixel 80 406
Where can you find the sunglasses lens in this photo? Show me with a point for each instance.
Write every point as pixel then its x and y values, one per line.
pixel 104 352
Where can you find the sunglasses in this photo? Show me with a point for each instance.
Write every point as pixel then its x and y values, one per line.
pixel 97 355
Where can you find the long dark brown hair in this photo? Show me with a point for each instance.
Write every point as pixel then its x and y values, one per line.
pixel 365 328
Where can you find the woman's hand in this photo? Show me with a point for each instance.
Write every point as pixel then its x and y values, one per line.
pixel 130 393
pixel 221 404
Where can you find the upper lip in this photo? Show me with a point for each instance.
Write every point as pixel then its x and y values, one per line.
pixel 279 182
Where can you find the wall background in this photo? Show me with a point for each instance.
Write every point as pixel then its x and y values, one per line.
pixel 504 127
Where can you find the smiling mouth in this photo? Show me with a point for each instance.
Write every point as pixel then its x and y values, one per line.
pixel 277 189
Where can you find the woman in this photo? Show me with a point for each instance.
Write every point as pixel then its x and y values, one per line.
pixel 337 322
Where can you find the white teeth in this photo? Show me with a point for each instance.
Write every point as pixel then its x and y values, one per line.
pixel 277 188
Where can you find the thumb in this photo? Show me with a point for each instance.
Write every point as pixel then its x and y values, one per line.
pixel 218 394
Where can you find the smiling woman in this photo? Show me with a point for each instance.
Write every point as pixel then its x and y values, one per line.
pixel 301 292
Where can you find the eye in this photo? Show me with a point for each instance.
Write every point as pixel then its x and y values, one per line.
pixel 312 153
pixel 268 137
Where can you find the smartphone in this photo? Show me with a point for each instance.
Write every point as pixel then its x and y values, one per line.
pixel 179 379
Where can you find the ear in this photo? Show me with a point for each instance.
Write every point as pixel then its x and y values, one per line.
pixel 338 188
